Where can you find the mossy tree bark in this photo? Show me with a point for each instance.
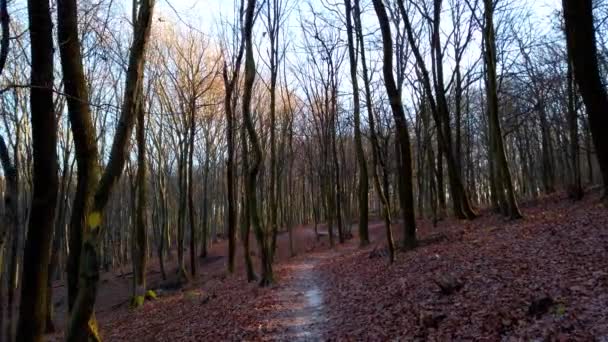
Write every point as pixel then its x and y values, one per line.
pixel 93 190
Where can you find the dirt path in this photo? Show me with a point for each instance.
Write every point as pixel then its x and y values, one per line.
pixel 299 313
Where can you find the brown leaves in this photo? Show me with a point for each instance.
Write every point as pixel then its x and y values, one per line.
pixel 448 284
pixel 539 278
pixel 491 275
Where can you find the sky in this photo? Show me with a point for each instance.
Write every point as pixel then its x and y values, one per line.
pixel 208 12
pixel 206 16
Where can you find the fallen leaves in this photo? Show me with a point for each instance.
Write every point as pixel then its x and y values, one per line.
pixel 541 278
pixel 559 251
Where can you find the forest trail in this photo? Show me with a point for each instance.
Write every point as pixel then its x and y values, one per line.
pixel 300 312
pixel 352 293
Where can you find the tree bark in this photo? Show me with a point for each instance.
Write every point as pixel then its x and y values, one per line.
pixel 229 104
pixel 405 166
pixel 191 191
pixel 580 34
pixel 439 109
pixel 363 187
pixel 245 218
pixel 267 276
pixel 505 186
pixel 32 311
pixel 141 245
pixel 94 195
pixel 576 185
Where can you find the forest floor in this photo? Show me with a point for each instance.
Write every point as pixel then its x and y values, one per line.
pixel 544 278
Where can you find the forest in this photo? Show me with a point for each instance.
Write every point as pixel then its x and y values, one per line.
pixel 315 170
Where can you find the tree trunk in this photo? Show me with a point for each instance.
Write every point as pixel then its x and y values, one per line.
pixel 363 188
pixel 89 217
pixel 245 218
pixel 576 186
pixel 503 173
pixel 164 222
pixel 405 166
pixel 141 246
pixel 439 109
pixel 10 228
pixel 267 276
pixel 229 104
pixel 57 238
pixel 191 192
pixel 32 310
pixel 205 218
pixel 582 48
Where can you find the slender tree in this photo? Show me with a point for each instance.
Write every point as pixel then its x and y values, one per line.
pixel 377 161
pixel 504 183
pixel 267 276
pixel 405 166
pixel 439 106
pixel 141 240
pixel 363 176
pixel 231 80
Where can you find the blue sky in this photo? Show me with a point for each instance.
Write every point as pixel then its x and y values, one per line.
pixel 205 15
pixel 207 12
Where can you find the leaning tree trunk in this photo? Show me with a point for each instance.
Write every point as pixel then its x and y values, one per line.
pixel 96 194
pixel 580 34
pixel 164 224
pixel 439 109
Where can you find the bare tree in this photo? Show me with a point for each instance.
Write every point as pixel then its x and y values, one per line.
pixel 580 34
pixel 93 189
pixel 32 310
pixel 363 176
pixel 405 158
